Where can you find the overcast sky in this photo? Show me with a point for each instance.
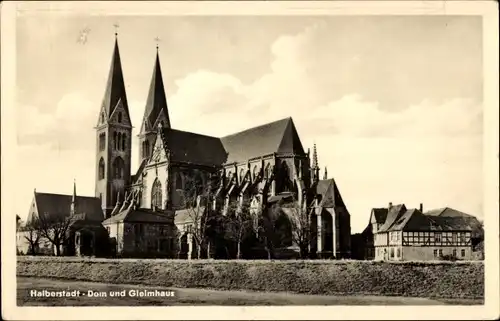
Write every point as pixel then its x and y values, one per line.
pixel 394 104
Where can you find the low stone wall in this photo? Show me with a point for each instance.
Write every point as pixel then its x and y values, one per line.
pixel 415 279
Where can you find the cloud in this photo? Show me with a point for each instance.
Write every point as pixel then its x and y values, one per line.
pixel 69 128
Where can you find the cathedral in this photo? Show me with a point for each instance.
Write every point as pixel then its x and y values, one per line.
pixel 148 209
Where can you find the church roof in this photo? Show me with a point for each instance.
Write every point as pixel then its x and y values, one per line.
pixel 156 101
pixel 59 205
pixel 115 87
pixel 330 194
pixel 140 215
pixel 276 137
pixel 194 148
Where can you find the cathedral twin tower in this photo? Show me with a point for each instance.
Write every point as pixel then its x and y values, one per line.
pixel 114 131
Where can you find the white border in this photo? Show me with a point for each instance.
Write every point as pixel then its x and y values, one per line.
pixel 487 9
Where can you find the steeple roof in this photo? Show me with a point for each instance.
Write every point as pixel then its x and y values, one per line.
pixel 115 87
pixel 156 101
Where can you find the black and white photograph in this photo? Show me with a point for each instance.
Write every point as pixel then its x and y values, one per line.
pixel 275 154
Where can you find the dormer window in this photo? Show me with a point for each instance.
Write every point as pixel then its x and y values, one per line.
pixel 119 117
pixel 102 118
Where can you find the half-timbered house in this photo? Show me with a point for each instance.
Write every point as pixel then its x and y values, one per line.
pixel 410 234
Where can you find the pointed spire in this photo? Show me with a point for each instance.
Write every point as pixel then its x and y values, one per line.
pixel 115 87
pixel 315 166
pixel 73 199
pixel 156 101
pixel 325 176
pixel 315 157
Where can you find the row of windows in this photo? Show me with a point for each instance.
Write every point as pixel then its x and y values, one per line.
pixel 119 141
pixel 439 253
pixel 118 168
pixel 283 180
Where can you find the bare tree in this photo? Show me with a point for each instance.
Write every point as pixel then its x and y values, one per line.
pixel 239 223
pixel 197 197
pixel 54 228
pixel 32 234
pixel 299 216
pixel 266 229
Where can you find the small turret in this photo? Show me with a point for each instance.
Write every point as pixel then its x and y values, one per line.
pixel 325 176
pixel 73 200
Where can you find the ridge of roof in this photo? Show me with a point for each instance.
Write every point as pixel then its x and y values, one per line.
pixel 258 127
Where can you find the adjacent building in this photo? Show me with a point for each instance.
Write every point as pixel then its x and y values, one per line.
pixel 397 233
pixel 75 220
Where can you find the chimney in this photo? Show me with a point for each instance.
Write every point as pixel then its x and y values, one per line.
pixel 421 207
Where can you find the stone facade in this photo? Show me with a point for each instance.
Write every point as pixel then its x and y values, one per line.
pixel 251 166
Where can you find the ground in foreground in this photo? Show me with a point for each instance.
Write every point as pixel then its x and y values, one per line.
pixel 195 296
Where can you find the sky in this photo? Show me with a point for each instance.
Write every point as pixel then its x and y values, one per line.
pixel 394 104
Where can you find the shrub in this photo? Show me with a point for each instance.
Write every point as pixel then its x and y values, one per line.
pixel 459 279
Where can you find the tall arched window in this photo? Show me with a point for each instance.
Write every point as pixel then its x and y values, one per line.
pixel 102 167
pixel 119 117
pixel 102 118
pixel 147 148
pixel 114 139
pixel 178 181
pixel 156 194
pixel 242 174
pixel 255 172
pixel 119 141
pixel 102 141
pixel 267 173
pixel 284 177
pixel 118 167
pixel 124 137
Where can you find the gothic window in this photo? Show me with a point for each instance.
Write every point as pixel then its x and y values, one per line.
pixel 101 168
pixel 102 141
pixel 178 181
pixel 147 148
pixel 118 167
pixel 123 141
pixel 102 118
pixel 114 139
pixel 119 117
pixel 284 177
pixel 255 172
pixel 119 141
pixel 268 171
pixel 156 194
pixel 242 174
